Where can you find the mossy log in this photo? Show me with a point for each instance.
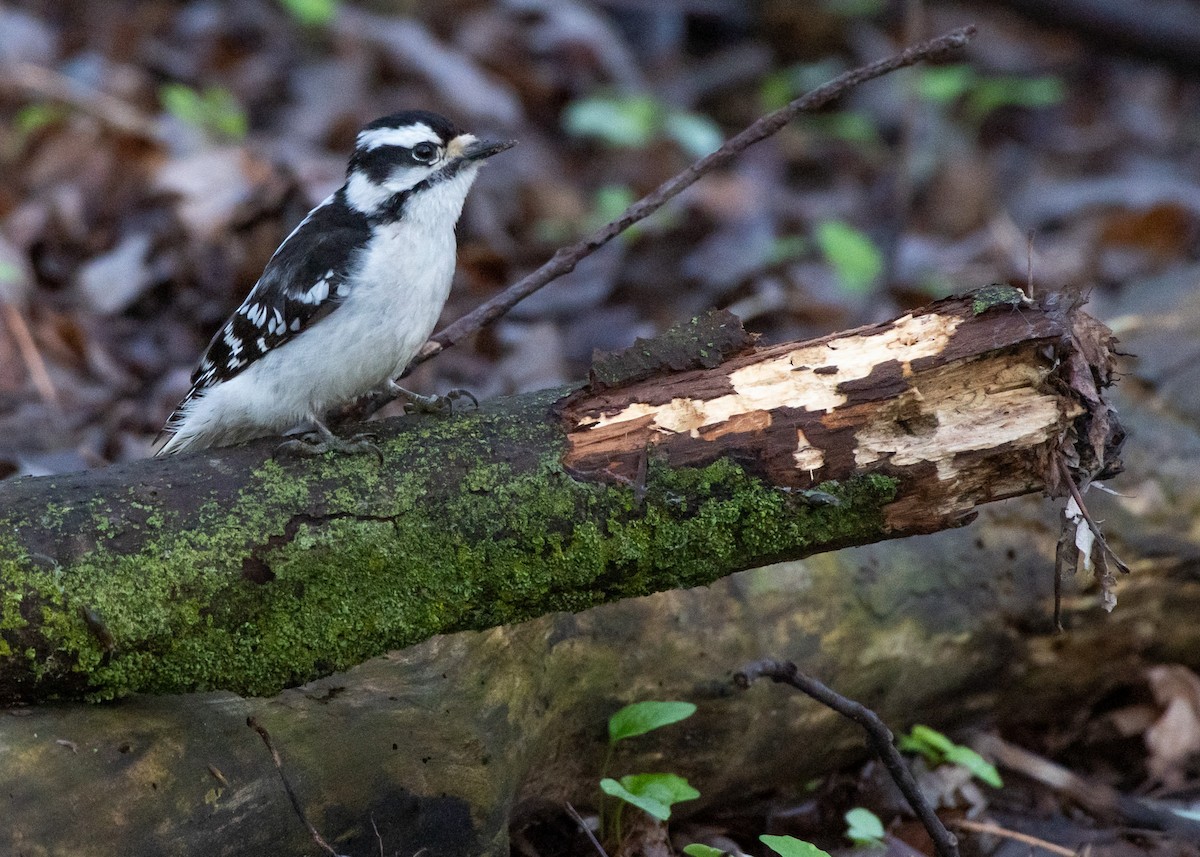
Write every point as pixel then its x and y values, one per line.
pixel 683 460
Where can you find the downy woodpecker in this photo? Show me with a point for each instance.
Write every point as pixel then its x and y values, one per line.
pixel 349 296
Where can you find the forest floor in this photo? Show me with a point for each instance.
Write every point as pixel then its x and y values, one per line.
pixel 152 162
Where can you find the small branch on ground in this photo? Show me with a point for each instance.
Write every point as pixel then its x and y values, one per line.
pixel 1097 798
pixel 574 813
pixel 30 354
pixel 878 736
pixel 378 838
pixel 47 83
pixel 287 787
pixel 566 258
pixel 1016 836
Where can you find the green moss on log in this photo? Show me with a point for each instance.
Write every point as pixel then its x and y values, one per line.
pixel 316 566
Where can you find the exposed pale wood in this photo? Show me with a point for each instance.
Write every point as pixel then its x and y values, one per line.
pixel 962 407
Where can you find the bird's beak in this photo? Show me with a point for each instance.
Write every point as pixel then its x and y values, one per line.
pixel 476 150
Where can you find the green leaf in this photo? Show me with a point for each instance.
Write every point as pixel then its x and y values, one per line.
pixel 182 102
pixel 853 255
pixel 311 12
pixel 654 793
pixel 642 717
pixel 937 748
pixel 790 846
pixel 850 126
pixel 609 202
pixel 775 90
pixel 944 84
pixel 993 92
pixel 216 111
pixel 865 828
pixel 34 117
pixel 930 737
pixel 627 121
pixel 224 113
pixel 979 767
pixel 698 850
pixel 696 134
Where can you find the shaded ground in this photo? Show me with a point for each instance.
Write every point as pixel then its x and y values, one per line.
pixel 153 155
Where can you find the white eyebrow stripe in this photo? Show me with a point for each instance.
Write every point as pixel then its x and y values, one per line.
pixel 408 137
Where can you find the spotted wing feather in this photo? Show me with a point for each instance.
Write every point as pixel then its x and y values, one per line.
pixel 305 281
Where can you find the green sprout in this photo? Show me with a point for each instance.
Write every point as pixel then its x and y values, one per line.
pixel 937 749
pixel 215 111
pixel 852 254
pixel 981 94
pixel 651 793
pixel 311 13
pixel 642 717
pixel 698 850
pixel 864 828
pixel 654 793
pixel 635 121
pixel 790 846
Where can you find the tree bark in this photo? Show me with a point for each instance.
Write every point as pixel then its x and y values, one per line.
pixel 684 459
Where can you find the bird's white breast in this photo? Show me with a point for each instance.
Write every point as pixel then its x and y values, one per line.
pixel 403 279
pixel 400 283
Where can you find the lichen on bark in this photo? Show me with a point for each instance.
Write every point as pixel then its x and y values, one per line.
pixel 209 579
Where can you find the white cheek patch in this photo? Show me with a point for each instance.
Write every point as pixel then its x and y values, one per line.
pixel 403 178
pixel 366 196
pixel 407 137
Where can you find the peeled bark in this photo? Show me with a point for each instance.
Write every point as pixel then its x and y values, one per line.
pixel 684 459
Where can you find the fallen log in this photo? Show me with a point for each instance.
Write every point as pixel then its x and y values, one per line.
pixel 683 460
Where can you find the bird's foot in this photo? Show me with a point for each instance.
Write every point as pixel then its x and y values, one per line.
pixel 432 404
pixel 319 442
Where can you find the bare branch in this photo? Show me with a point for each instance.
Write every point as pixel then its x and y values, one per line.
pixel 878 736
pixel 287 787
pixel 566 258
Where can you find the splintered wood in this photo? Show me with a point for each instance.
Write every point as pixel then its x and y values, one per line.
pixel 962 401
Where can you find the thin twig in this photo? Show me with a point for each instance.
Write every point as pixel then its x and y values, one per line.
pixel 574 813
pixel 878 736
pixel 566 258
pixel 1005 833
pixel 287 787
pixel 48 83
pixel 1066 556
pixel 30 354
pixel 1091 522
pixel 378 838
pixel 1097 798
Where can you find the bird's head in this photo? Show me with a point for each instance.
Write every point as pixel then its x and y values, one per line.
pixel 410 153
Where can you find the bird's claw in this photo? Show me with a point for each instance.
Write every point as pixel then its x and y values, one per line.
pixel 313 444
pixel 434 404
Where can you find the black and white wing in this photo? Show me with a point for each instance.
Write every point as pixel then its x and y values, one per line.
pixel 306 280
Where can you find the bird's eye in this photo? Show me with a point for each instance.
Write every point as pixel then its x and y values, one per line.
pixel 424 152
